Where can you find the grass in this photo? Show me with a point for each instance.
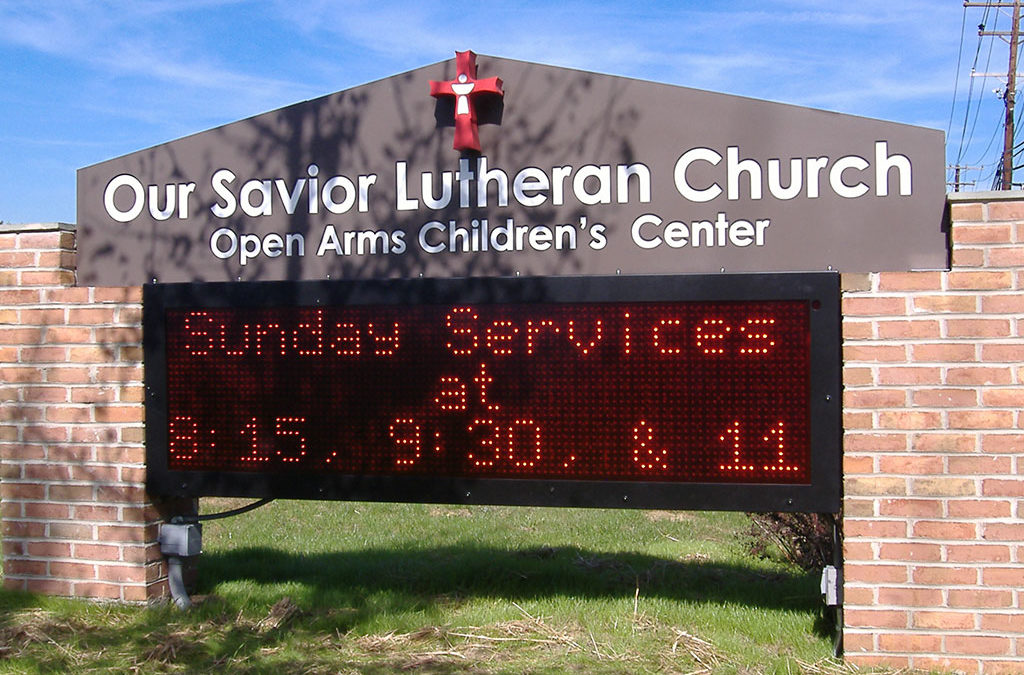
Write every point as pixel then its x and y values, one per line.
pixel 325 587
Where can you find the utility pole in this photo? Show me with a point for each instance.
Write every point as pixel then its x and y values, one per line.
pixel 1010 94
pixel 957 183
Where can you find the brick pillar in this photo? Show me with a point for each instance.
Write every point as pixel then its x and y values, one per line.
pixel 934 453
pixel 76 519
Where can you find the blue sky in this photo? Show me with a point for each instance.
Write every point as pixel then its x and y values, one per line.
pixel 82 81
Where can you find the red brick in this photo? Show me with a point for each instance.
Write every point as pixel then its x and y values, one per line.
pixel 1004 532
pixel 119 413
pixel 46 586
pixel 986 645
pixel 1013 353
pixel 874 486
pixel 21 374
pixel 46 511
pixel 981 419
pixel 65 334
pixel 35 568
pixel 98 552
pixel 858 330
pixel 975 464
pixel 1003 576
pixel 73 570
pixel 979 280
pixel 911 329
pixel 960 212
pixel 858 508
pixel 947 665
pixel 978 328
pixel 910 281
pixel 946 304
pixel 122 533
pixel 1006 257
pixel 81 434
pixel 978 376
pixel 42 317
pixel 90 316
pixel 55 434
pixel 968 257
pixel 910 642
pixel 45 240
pixel 105 474
pixel 70 414
pixel 72 493
pixel 874 398
pixel 1004 398
pixel 944 487
pixel 875 574
pixel 994 487
pixel 872 660
pixel 98 590
pixel 20 336
pixel 980 598
pixel 1005 210
pixel 946 352
pixel 917 552
pixel 22 451
pixel 1009 443
pixel 857 464
pixel 943 620
pixel 874 306
pixel 74 375
pixel 1003 623
pixel 1003 304
pixel 945 576
pixel 875 529
pixel 854 596
pixel 875 618
pixel 944 442
pixel 909 375
pixel 944 530
pixel 47 278
pixel 91 354
pixel 945 398
pixel 911 419
pixel 70 531
pixel 93 394
pixel 18 297
pixel 977 553
pixel 128 574
pixel 853 377
pixel 43 354
pixel 119 374
pixel 48 549
pixel 66 296
pixel 91 512
pixel 980 508
pixel 875 353
pixel 910 464
pixel 120 494
pixel 859 442
pixel 911 508
pixel 121 455
pixel 130 294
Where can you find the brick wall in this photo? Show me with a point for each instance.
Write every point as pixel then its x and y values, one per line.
pixel 934 450
pixel 76 520
pixel 934 447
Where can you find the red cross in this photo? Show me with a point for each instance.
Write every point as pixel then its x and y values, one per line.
pixel 464 88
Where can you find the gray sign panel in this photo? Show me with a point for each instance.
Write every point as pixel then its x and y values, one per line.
pixel 578 173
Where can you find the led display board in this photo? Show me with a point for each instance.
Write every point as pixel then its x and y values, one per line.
pixel 689 392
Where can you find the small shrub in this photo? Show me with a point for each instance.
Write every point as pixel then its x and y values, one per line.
pixel 803 539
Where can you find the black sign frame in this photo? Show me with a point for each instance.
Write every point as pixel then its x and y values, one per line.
pixel 820 290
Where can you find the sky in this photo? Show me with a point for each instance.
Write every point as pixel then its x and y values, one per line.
pixel 83 81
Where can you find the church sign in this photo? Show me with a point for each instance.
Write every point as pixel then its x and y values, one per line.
pixel 483 166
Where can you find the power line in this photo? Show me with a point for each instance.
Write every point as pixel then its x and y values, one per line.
pixel 1004 175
